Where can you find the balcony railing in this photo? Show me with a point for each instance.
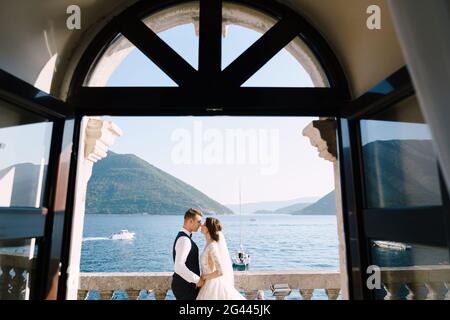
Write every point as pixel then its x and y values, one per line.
pixel 15 271
pixel 250 283
pixel 419 283
pixel 412 283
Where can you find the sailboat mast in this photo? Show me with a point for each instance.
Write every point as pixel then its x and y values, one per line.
pixel 240 209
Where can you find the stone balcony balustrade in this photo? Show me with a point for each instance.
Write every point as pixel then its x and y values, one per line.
pixel 250 282
pixel 420 282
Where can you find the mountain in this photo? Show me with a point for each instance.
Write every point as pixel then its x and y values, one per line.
pixel 388 180
pixel 253 207
pixel 120 183
pixel 324 206
pixel 285 210
pixel 128 184
pixel 124 183
pixel 263 212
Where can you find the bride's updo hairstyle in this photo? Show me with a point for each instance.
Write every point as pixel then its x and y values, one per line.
pixel 214 226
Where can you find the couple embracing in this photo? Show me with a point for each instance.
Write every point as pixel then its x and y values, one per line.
pixel 212 277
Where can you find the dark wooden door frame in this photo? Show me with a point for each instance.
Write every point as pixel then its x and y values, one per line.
pixel 42 223
pixel 363 223
pixel 210 90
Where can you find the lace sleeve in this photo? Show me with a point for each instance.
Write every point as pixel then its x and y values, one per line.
pixel 214 253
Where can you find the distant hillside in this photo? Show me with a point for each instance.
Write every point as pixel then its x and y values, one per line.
pixel 389 186
pixel 324 206
pixel 269 206
pixel 121 184
pixel 124 183
pixel 285 210
pixel 128 184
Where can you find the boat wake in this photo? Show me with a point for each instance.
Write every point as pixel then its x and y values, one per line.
pixel 95 238
pixel 123 234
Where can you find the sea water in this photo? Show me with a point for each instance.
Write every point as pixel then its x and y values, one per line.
pixel 274 241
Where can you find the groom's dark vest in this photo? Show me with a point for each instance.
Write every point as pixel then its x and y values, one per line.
pixel 180 287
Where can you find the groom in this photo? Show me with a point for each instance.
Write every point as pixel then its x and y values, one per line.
pixel 186 280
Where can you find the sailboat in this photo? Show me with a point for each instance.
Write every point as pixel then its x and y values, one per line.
pixel 241 261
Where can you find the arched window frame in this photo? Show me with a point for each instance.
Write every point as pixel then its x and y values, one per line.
pixel 210 90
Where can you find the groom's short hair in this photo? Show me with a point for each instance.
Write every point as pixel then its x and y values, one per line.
pixel 191 213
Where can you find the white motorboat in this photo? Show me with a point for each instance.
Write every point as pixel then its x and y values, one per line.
pixel 123 235
pixel 392 245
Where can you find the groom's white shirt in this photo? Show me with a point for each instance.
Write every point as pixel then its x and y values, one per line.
pixel 182 248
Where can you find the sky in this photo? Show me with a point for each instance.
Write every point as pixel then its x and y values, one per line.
pixel 277 162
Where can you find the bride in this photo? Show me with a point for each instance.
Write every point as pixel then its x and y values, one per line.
pixel 217 272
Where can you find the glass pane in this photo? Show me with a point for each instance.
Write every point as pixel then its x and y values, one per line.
pixel 294 66
pixel 284 70
pixel 17 265
pixel 410 271
pixel 237 39
pixel 124 65
pixel 241 26
pixel 24 152
pixel 400 166
pixel 184 41
pixel 178 27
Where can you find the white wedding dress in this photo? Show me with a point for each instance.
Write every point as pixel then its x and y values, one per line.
pixel 215 256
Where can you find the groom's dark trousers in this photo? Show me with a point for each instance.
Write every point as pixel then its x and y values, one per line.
pixel 182 289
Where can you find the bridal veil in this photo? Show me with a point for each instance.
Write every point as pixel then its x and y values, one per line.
pixel 225 259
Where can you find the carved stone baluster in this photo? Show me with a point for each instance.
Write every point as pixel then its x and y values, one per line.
pixel 392 289
pixel 5 280
pixel 306 293
pixel 18 284
pixel 160 294
pixel 251 294
pixel 133 294
pixel 416 291
pixel 106 294
pixel 434 291
pixel 82 294
pixel 447 286
pixel 260 295
pixel 147 293
pixel 332 293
